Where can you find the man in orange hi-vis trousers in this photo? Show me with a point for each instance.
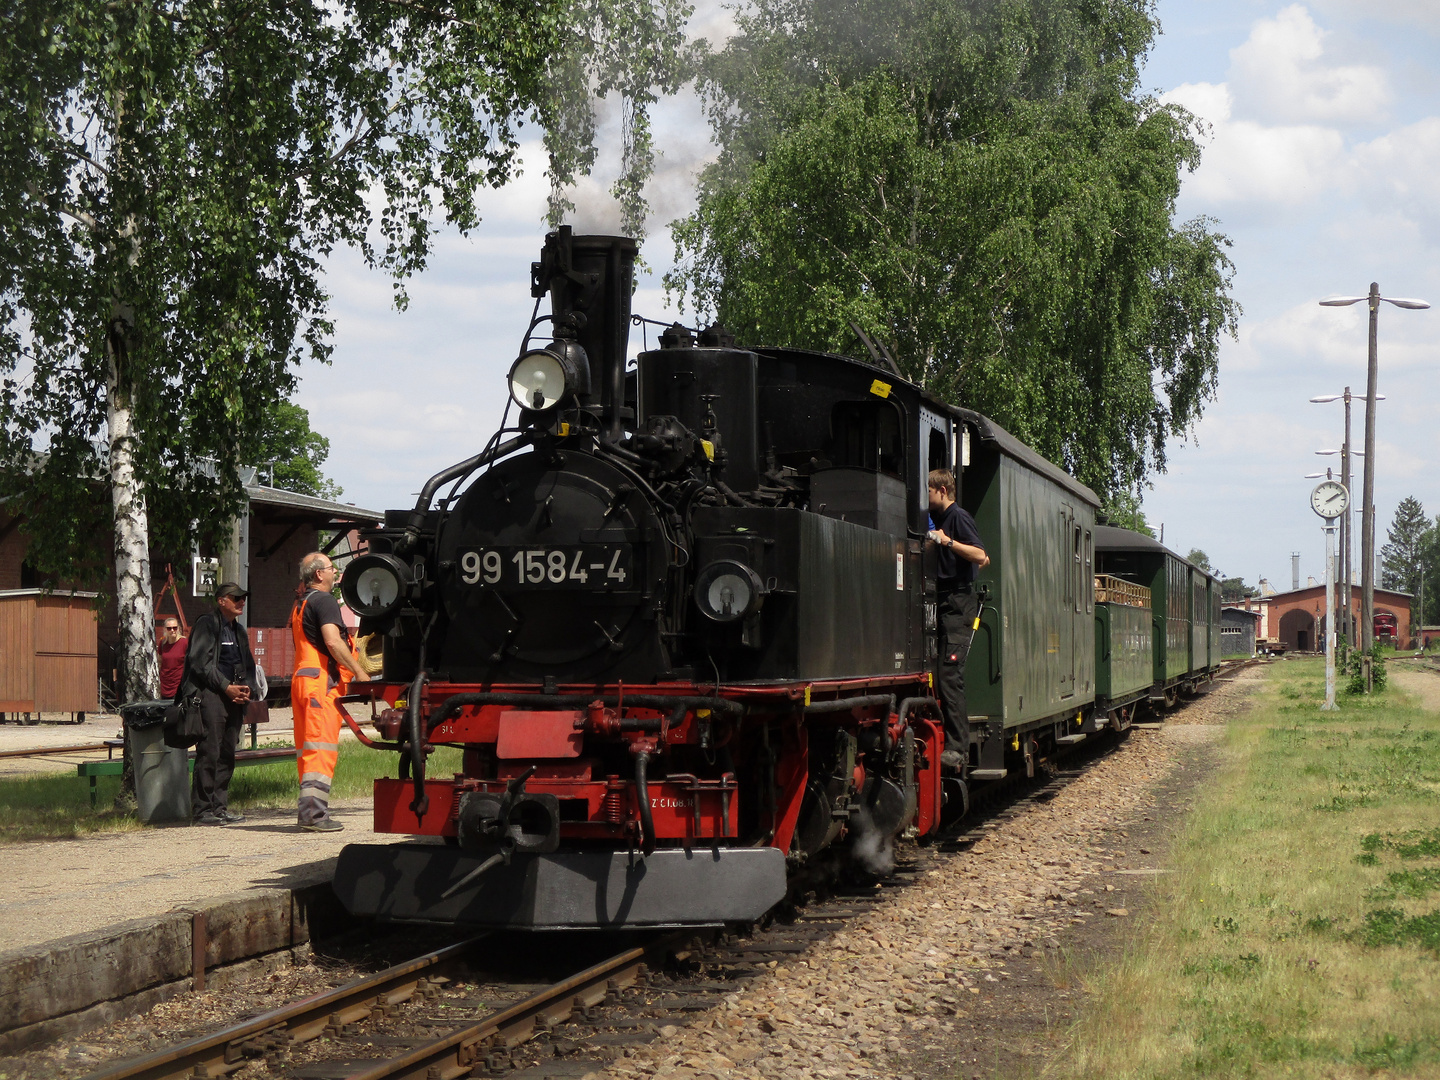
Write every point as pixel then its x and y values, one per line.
pixel 324 665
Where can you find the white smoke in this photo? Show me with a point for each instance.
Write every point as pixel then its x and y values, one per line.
pixel 871 848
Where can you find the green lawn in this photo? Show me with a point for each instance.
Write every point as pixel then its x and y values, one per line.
pixel 57 805
pixel 1299 931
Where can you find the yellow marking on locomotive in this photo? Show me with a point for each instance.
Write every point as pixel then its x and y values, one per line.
pixel 977 624
pixel 807 697
pixel 1016 744
pixel 880 389
pixel 709 448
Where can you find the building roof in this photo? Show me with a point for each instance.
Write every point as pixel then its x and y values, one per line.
pixel 309 507
pixel 1238 610
pixel 1320 588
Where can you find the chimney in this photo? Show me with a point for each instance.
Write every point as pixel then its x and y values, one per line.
pixel 1294 570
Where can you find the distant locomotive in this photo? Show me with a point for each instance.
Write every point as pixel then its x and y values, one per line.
pixel 681 624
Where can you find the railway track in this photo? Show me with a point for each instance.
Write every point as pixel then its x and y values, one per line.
pixel 440 1016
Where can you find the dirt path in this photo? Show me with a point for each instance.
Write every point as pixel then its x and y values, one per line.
pixel 1423 683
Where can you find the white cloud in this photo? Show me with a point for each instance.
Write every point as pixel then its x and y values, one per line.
pixel 1282 74
pixel 1280 167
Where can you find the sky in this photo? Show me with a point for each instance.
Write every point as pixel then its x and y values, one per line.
pixel 1321 164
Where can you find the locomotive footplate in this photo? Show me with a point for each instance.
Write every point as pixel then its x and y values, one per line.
pixel 562 890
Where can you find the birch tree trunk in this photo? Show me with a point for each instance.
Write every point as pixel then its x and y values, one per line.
pixel 135 608
pixel 139 662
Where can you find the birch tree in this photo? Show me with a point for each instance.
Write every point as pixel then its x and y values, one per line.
pixel 173 174
pixel 984 189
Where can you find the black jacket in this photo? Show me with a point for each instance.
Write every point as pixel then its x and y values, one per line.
pixel 202 658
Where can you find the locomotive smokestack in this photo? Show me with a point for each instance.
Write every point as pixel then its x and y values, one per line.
pixel 593 276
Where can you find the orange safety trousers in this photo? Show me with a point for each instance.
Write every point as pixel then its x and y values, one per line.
pixel 314 702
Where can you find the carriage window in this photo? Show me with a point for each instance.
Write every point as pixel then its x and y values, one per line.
pixel 1088 575
pixel 1077 569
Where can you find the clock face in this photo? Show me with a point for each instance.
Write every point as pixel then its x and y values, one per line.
pixel 1329 499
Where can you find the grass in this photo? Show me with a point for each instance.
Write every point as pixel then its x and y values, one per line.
pixel 57 805
pixel 1299 932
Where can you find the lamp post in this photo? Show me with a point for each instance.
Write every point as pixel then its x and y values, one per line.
pixel 1367 502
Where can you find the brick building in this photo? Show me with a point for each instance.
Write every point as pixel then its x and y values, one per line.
pixel 268 544
pixel 1295 620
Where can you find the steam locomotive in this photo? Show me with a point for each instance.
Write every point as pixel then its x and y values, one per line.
pixel 680 620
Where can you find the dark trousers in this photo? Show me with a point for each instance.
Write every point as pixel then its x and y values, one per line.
pixel 956 630
pixel 215 753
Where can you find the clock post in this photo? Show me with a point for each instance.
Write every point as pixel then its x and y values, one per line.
pixel 1330 500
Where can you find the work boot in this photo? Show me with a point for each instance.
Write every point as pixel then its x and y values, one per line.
pixel 230 816
pixel 209 818
pixel 323 825
pixel 951 761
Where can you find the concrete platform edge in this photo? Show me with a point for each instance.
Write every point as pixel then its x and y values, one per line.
pixel 74 1024
pixel 128 967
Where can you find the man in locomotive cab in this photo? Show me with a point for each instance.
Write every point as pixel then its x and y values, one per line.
pixel 325 663
pixel 960 554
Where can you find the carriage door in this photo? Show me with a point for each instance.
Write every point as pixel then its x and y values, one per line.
pixel 1070 599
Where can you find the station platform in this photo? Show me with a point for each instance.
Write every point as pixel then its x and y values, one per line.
pixel 105 925
pixel 57 888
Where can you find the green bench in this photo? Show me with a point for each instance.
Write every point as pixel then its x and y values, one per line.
pixel 115 766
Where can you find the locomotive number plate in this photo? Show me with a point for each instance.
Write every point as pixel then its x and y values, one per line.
pixel 582 566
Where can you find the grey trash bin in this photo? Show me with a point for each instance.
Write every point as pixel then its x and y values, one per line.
pixel 162 773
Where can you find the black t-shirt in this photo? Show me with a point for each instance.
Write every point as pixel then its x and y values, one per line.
pixel 227 660
pixel 321 609
pixel 953 568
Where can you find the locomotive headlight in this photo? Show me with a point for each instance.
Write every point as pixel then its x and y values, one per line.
pixel 726 591
pixel 373 584
pixel 542 378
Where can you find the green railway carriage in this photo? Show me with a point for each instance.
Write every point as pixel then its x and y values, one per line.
pixel 1185 611
pixel 1030 679
pixel 1124 649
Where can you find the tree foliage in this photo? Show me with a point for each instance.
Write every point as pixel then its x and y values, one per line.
pixel 981 187
pixel 173 174
pixel 1199 558
pixel 1233 590
pixel 1122 510
pixel 291 454
pixel 1413 550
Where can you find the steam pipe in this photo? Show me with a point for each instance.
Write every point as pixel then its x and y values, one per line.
pixel 436 482
pixel 642 794
pixel 617 303
pixel 415 725
pixel 844 704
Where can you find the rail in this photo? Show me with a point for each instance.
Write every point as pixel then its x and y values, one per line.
pixel 460 1052
pixel 223 1052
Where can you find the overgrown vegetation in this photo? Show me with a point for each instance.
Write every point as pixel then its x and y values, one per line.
pixel 1298 933
pixel 56 806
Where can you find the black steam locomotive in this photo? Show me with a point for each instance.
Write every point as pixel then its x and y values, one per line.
pixel 679 620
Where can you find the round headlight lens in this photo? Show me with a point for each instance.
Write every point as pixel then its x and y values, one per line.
pixel 726 591
pixel 537 381
pixel 377 587
pixel 373 584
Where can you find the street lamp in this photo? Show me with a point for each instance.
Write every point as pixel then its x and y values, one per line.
pixel 1345 527
pixel 1367 504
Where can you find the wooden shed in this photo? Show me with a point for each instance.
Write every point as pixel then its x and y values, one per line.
pixel 47 652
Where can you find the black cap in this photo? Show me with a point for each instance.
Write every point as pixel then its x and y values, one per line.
pixel 232 590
